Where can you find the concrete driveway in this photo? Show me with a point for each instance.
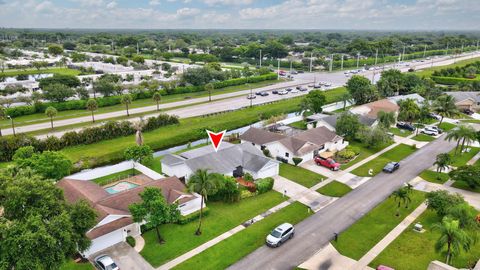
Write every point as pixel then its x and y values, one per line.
pixel 126 257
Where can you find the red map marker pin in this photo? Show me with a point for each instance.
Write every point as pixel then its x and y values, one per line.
pixel 216 138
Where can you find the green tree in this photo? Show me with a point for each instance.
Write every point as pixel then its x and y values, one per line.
pixel 346 98
pixel 409 110
pixel 445 106
pixel 154 210
pixel 441 200
pixel 468 174
pixel 92 106
pixel 55 49
pixel 126 100
pixel 138 59
pixel 314 101
pixel 453 237
pixel 386 119
pixel 51 112
pixel 442 161
pixel 348 125
pixel 157 98
pixel 209 88
pixel 373 137
pixel 462 134
pixel 401 195
pixel 139 153
pixel 361 90
pixel 391 83
pixel 48 164
pixel 204 184
pixel 57 92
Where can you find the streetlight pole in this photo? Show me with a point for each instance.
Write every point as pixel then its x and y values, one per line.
pixel 260 58
pixel 278 69
pixel 425 51
pixel 403 53
pixel 342 63
pixel 358 59
pixel 446 52
pixel 331 63
pixel 311 60
pixel 13 125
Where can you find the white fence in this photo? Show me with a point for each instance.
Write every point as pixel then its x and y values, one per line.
pixel 87 175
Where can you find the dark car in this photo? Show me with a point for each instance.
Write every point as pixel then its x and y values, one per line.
pixel 289 89
pixel 407 126
pixel 468 112
pixel 300 71
pixel 303 88
pixel 275 92
pixel 263 94
pixel 391 167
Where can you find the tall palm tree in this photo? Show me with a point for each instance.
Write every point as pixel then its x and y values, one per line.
pixel 51 112
pixel 445 106
pixel 442 161
pixel 452 236
pixel 401 195
pixel 204 184
pixel 157 98
pixel 209 88
pixel 126 100
pixel 92 106
pixel 464 134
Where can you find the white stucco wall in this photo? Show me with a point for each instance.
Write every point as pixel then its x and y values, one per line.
pixel 191 206
pixel 180 170
pixel 86 175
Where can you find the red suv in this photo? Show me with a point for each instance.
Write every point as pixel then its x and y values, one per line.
pixel 327 162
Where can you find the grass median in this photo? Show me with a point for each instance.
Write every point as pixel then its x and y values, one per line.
pixel 334 189
pixel 234 248
pixel 363 235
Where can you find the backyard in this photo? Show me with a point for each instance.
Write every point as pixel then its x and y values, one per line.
pixel 104 180
pixel 221 217
pixel 334 189
pixel 397 153
pixel 300 175
pixel 414 251
pixel 229 251
pixel 359 238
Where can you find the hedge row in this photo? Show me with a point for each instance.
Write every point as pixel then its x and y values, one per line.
pixel 452 80
pixel 115 100
pixel 111 130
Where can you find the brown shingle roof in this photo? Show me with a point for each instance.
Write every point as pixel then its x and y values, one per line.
pixel 109 227
pixel 260 136
pixel 381 105
pixel 318 136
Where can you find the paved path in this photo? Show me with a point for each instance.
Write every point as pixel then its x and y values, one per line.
pixel 317 230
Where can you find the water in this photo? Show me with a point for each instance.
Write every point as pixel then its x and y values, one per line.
pixel 202 141
pixel 33 77
pixel 120 186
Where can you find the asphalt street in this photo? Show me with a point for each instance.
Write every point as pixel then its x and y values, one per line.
pixel 317 230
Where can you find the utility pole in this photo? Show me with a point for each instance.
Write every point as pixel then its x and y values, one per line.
pixel 425 51
pixel 376 57
pixel 403 53
pixel 278 69
pixel 290 66
pixel 138 50
pixel 477 45
pixel 462 49
pixel 311 61
pixel 375 66
pixel 331 63
pixel 113 48
pixel 260 58
pixel 342 63
pixel 446 52
pixel 358 59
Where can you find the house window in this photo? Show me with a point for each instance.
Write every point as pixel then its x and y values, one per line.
pixel 182 205
pixel 287 154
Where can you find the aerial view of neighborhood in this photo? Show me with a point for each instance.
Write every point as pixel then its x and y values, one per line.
pixel 239 135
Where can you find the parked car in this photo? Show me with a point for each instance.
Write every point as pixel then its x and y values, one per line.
pixel 327 162
pixel 317 86
pixel 439 130
pixel 263 94
pixel 282 73
pixel 429 131
pixel 280 235
pixel 468 112
pixel 435 116
pixel 105 262
pixel 294 72
pixel 407 126
pixel 391 167
pixel 301 71
pixel 251 96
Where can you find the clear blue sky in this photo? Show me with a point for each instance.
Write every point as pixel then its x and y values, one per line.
pixel 249 14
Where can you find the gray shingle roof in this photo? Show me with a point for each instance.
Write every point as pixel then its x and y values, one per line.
pixel 260 136
pixel 207 149
pixel 172 160
pixel 461 95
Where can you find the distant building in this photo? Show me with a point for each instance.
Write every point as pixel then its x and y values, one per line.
pixel 466 100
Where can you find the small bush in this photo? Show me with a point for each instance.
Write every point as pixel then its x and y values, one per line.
pixel 297 160
pixel 266 152
pixel 264 185
pixel 131 241
pixel 346 154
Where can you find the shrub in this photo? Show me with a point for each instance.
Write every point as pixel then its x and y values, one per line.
pixel 131 241
pixel 297 160
pixel 248 177
pixel 227 190
pixel 346 154
pixel 264 185
pixel 266 152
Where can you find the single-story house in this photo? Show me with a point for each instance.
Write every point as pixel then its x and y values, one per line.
pixel 416 97
pixel 330 121
pixel 230 159
pixel 466 100
pixel 372 109
pixel 303 145
pixel 114 221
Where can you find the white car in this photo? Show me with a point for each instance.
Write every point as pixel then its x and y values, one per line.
pixel 105 262
pixel 294 91
pixel 280 234
pixel 429 131
pixel 282 92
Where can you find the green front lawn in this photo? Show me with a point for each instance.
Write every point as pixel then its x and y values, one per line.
pixel 234 248
pixel 464 186
pixel 334 189
pixel 300 175
pixel 363 151
pixel 423 138
pixel 359 238
pixel 299 125
pixel 397 153
pixel 221 217
pixel 72 265
pixel 461 159
pixel 400 132
pixel 414 251
pixel 447 126
pixel 434 177
pixel 107 179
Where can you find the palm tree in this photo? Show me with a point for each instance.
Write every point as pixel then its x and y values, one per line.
pixel 51 112
pixel 138 126
pixel 464 134
pixel 126 100
pixel 209 87
pixel 452 236
pixel 445 106
pixel 346 98
pixel 443 161
pixel 157 98
pixel 401 195
pixel 204 184
pixel 92 106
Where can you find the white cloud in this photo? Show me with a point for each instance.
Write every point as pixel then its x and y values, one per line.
pixel 187 12
pixel 228 2
pixel 154 2
pixel 112 5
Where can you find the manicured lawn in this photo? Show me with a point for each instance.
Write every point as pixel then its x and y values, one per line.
pixel 359 238
pixel 299 125
pixel 397 153
pixel 434 177
pixel 447 126
pixel 71 265
pixel 423 138
pixel 63 71
pixel 107 179
pixel 221 218
pixel 334 189
pixel 232 249
pixel 463 185
pixel 300 175
pixel 414 251
pixel 461 159
pixel 474 121
pixel 363 151
pixel 400 132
